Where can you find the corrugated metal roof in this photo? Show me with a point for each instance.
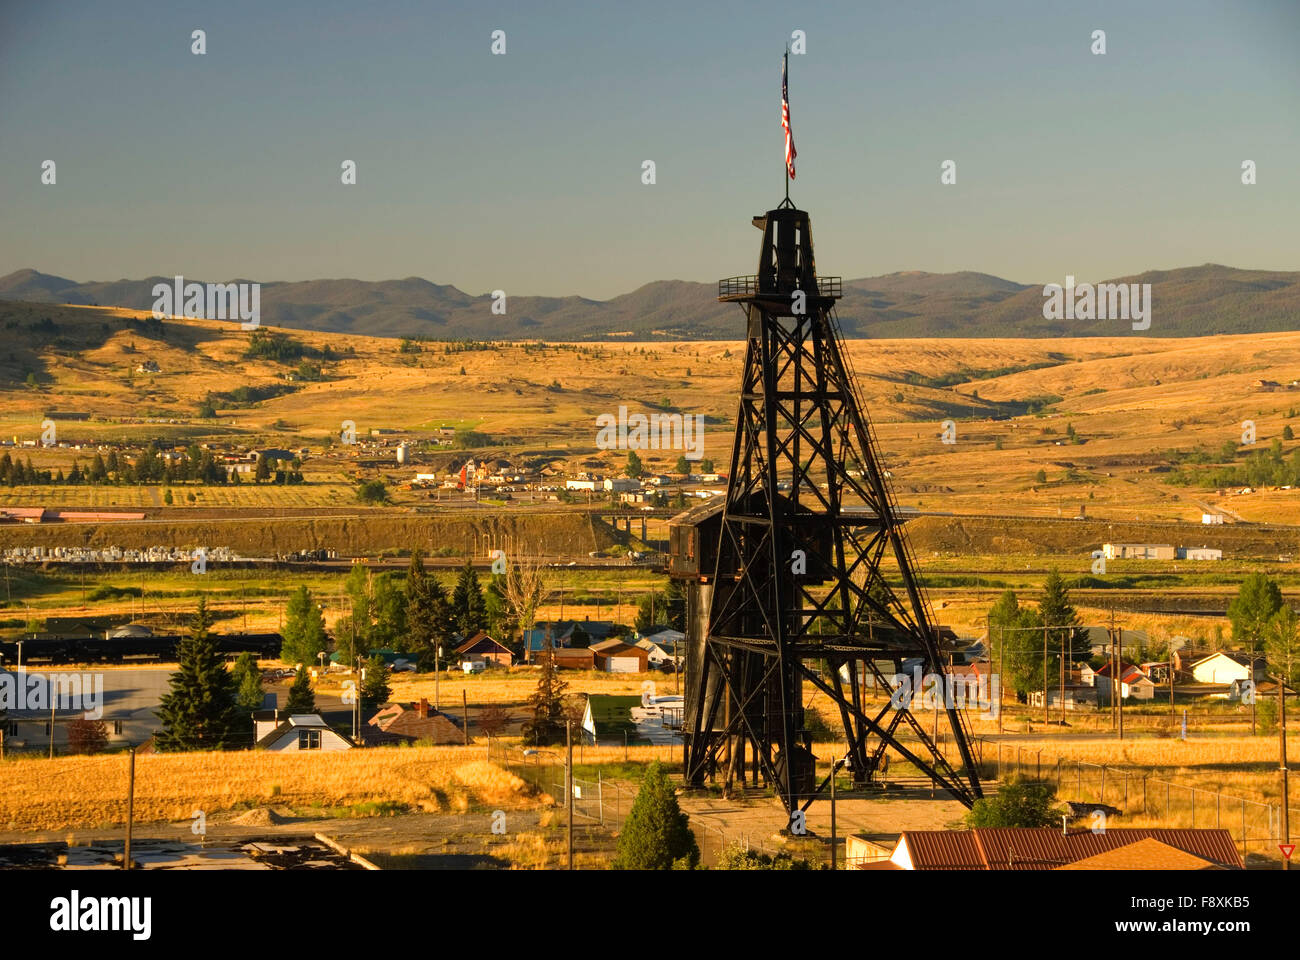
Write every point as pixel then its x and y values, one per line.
pixel 943 850
pixel 1214 845
pixel 1018 848
pixel 1047 848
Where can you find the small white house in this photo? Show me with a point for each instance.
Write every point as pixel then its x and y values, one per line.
pixel 1133 683
pixel 1212 518
pixel 303 731
pixel 1219 668
pixel 662 647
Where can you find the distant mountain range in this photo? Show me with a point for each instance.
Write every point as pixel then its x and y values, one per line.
pixel 1189 301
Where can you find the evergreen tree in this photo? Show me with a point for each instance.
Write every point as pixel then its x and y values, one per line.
pixel 388 607
pixel 634 467
pixel 1014 647
pixel 304 628
pixel 428 615
pixel 301 697
pixel 1258 600
pixel 547 725
pixel 248 683
pixel 1056 612
pixel 467 602
pixel 375 691
pixel 496 608
pixel 675 606
pixel 354 635
pixel 421 618
pixel 200 712
pixel 650 612
pixel 656 834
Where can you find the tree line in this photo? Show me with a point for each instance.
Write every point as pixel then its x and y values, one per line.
pixel 193 466
pixel 1262 623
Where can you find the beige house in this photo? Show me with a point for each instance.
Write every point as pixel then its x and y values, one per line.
pixel 1139 551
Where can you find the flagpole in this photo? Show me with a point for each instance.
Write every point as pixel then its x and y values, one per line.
pixel 785 73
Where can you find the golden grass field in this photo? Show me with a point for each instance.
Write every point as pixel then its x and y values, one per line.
pixel 1128 398
pixel 69 792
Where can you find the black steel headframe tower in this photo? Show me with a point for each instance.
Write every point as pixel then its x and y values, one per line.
pixel 806 562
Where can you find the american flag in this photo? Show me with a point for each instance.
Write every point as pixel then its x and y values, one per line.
pixel 790 153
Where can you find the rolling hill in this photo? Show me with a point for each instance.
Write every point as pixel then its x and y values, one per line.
pixel 1189 301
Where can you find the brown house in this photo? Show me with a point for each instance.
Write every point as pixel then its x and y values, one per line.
pixel 615 656
pixel 483 647
pixel 410 723
pixel 571 658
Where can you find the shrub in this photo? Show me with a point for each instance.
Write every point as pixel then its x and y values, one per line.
pixel 738 858
pixel 1020 803
pixel 656 833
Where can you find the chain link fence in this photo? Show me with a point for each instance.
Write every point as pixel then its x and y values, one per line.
pixel 599 801
pixel 1255 825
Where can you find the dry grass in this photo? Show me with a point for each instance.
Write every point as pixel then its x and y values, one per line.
pixel 69 792
pixel 516 684
pixel 1241 766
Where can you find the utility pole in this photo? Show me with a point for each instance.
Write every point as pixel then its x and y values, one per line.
pixel 1114 671
pixel 1002 636
pixel 568 781
pixel 51 721
pixel 1281 746
pixel 464 711
pixel 1046 717
pixel 835 765
pixel 1063 635
pixel 1119 642
pixel 1171 688
pixel 356 700
pixel 130 809
pixel 1252 695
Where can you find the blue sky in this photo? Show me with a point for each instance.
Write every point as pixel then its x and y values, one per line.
pixel 523 171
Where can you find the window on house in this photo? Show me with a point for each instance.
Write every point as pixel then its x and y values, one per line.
pixel 117 727
pixel 308 739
